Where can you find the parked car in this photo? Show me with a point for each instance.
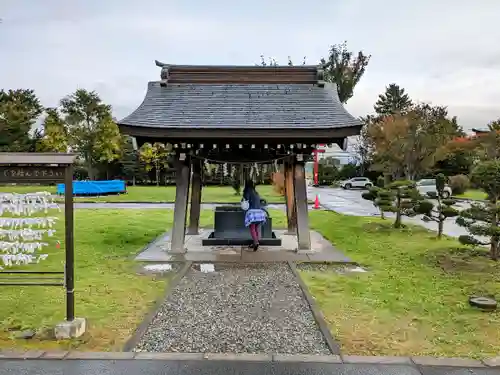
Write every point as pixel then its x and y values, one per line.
pixel 356 182
pixel 427 187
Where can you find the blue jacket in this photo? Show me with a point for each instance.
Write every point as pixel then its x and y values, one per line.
pixel 253 199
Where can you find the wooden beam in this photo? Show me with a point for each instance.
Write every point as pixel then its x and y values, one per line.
pixel 196 189
pixel 291 212
pixel 303 235
pixel 180 208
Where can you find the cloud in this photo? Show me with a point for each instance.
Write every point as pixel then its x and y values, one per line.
pixel 442 52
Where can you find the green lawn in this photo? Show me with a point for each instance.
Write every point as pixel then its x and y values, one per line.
pixel 216 194
pixel 413 300
pixel 473 194
pixel 109 293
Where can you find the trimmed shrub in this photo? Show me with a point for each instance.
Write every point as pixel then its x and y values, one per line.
pixel 459 184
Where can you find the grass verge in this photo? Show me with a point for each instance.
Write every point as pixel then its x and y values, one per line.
pixel 473 194
pixel 109 292
pixel 413 300
pixel 156 194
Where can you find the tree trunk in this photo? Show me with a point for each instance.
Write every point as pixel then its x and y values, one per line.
pixel 397 223
pixel 157 172
pixel 440 227
pixel 90 169
pixel 441 217
pixel 133 181
pixel 494 249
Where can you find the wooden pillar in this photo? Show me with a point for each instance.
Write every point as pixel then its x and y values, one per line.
pixel 181 202
pixel 303 235
pixel 291 212
pixel 194 211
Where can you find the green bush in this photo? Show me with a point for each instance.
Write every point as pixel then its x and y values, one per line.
pixel 459 184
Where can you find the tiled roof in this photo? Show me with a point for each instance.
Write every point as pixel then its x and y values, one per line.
pixel 200 100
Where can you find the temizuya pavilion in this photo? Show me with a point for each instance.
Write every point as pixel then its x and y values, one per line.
pixel 240 114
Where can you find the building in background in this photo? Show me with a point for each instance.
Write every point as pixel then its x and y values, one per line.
pixel 334 153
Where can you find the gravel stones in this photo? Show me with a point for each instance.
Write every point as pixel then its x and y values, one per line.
pixel 236 309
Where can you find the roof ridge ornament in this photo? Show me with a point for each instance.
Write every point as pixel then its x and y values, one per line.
pixel 164 75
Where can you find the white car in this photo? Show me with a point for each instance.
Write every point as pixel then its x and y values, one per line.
pixel 357 182
pixel 428 185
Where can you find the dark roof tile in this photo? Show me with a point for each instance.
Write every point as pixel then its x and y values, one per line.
pixel 226 106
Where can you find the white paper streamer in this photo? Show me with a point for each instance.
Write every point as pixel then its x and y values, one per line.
pixel 22 237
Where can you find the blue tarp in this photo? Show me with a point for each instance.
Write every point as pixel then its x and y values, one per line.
pixel 95 187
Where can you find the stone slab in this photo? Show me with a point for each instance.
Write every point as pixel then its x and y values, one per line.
pixel 239 357
pixel 29 354
pixel 100 355
pixel 262 256
pixel 169 356
pixel 54 355
pixel 211 257
pixel 443 370
pixel 448 362
pixel 492 362
pixel 307 358
pixel 69 330
pixel 321 250
pixel 384 360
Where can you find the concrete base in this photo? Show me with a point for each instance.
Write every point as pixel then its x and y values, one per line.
pixel 321 250
pixel 70 330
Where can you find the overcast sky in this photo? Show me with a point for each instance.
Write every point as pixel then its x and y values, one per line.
pixel 443 51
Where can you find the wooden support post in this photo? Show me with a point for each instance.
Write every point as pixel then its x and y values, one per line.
pixel 303 235
pixel 69 238
pixel 181 202
pixel 291 212
pixel 196 188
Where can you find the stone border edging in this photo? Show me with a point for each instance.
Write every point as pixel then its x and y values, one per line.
pixel 297 358
pixel 132 342
pixel 332 344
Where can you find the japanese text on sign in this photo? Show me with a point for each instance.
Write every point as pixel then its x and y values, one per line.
pixel 13 174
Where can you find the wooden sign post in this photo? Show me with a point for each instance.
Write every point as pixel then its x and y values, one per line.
pixel 44 168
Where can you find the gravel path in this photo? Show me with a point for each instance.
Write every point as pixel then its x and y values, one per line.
pixel 236 309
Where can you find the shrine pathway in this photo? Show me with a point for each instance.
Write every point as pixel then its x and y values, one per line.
pixel 236 308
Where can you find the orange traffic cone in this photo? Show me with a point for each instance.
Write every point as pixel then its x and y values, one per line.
pixel 316 202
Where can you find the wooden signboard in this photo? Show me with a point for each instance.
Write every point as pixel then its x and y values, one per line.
pixel 31 174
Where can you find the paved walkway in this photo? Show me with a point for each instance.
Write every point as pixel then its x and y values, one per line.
pixel 350 202
pixel 160 367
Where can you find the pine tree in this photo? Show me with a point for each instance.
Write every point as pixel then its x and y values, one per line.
pixel 393 101
pixel 443 209
pixel 483 219
pixel 381 197
pixel 406 200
